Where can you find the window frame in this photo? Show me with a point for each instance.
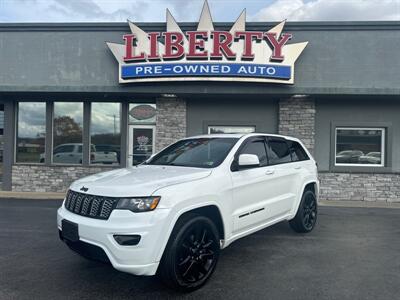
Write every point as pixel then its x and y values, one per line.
pixel 359 169
pixel 383 147
pixel 48 160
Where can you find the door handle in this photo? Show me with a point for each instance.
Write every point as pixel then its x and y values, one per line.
pixel 297 167
pixel 269 172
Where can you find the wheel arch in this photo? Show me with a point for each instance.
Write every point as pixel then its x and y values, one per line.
pixel 308 185
pixel 211 210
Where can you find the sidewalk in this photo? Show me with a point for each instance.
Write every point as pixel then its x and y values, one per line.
pixel 31 195
pixel 60 196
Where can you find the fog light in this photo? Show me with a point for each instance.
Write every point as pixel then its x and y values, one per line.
pixel 127 240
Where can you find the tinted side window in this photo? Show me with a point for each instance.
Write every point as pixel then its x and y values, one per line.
pixel 69 148
pixel 64 149
pixel 297 151
pixel 278 151
pixel 258 148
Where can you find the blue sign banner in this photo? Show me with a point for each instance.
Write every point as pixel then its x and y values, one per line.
pixel 135 71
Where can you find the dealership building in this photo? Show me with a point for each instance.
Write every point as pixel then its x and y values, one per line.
pixel 81 98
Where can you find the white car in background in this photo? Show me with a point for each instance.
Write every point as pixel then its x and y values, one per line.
pixel 174 213
pixel 371 158
pixel 71 153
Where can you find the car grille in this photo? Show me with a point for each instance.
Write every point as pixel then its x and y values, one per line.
pixel 91 206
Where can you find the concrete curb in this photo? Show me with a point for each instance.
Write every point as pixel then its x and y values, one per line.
pixel 366 204
pixel 30 195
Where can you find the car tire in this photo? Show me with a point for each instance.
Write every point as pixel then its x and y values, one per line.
pixel 306 216
pixel 191 254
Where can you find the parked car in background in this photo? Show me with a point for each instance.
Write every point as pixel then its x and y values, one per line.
pixel 371 158
pixel 72 154
pixel 348 156
pixel 106 149
pixel 172 214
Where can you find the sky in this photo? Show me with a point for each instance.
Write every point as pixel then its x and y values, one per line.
pixel 189 10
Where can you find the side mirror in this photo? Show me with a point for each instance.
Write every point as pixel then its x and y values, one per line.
pixel 248 161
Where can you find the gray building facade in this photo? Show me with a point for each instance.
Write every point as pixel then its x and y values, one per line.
pixel 66 115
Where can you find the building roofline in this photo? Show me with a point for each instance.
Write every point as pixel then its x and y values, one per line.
pixel 123 26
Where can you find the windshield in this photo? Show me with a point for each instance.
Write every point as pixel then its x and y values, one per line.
pixel 200 153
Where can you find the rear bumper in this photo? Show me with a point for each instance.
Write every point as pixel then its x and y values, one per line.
pixel 96 238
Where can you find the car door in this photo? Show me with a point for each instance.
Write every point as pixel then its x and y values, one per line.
pixel 285 181
pixel 250 188
pixel 59 154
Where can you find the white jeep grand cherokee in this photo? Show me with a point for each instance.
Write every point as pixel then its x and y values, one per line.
pixel 172 214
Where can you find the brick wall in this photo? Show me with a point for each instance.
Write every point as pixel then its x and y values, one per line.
pixel 297 119
pixel 26 178
pixel 170 121
pixel 360 187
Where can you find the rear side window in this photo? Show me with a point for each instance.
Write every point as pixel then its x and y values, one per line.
pixel 278 151
pixel 64 149
pixel 297 151
pixel 256 147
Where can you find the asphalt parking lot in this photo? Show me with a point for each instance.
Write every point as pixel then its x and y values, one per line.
pixel 354 253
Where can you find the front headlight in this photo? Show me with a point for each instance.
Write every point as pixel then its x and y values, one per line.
pixel 139 204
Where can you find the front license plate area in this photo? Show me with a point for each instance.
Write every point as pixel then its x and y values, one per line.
pixel 69 231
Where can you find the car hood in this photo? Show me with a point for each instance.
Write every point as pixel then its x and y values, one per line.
pixel 141 180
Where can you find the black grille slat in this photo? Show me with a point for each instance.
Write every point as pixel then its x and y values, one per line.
pixel 72 202
pixel 90 205
pixel 86 204
pixel 78 203
pixel 106 208
pixel 68 199
pixel 95 206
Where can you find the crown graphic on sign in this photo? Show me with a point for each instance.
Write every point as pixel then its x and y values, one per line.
pixel 207 53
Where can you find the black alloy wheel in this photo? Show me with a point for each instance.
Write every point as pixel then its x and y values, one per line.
pixel 306 216
pixel 309 211
pixel 191 254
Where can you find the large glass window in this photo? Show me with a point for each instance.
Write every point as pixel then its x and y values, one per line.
pixel 105 133
pixel 360 146
pixel 31 132
pixel 231 129
pixel 67 132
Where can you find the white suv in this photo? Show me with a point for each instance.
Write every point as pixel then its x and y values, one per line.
pixel 172 214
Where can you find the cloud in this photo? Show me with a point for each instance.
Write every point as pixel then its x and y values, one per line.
pixel 189 10
pixel 330 10
pixel 95 10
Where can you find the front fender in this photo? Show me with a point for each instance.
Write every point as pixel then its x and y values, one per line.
pixel 177 213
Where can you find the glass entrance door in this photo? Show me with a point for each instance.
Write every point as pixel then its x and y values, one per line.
pixel 141 143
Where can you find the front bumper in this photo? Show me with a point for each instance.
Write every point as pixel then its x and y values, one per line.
pixel 141 259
